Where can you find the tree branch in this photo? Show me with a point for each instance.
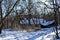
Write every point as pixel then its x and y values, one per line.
pixel 11 9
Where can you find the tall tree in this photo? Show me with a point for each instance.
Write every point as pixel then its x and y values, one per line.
pixel 56 16
pixel 9 11
pixel 1 22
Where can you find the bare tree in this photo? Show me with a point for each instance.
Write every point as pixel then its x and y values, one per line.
pixel 9 11
pixel 56 16
pixel 1 22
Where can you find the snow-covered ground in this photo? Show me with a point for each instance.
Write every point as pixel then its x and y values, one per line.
pixel 42 34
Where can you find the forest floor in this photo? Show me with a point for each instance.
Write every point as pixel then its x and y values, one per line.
pixel 42 34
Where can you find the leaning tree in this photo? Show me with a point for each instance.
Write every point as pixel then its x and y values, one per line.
pixel 7 13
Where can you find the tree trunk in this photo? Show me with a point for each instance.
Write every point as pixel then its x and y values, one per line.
pixel 56 17
pixel 1 24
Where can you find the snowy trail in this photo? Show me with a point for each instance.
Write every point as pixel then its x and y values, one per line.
pixel 42 35
pixel 13 35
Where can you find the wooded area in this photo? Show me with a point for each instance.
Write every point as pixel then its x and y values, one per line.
pixel 28 10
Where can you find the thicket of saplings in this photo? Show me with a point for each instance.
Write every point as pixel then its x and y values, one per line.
pixel 14 22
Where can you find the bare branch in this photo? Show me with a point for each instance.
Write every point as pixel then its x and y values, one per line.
pixel 11 9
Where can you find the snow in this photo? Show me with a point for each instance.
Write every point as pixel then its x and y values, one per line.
pixel 45 23
pixel 37 21
pixel 47 37
pixel 42 34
